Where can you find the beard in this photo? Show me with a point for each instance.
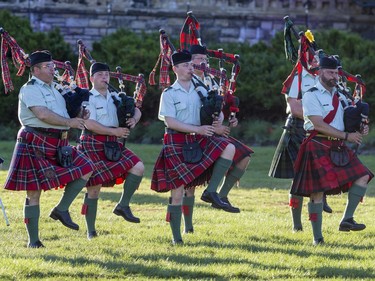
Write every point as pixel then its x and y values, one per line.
pixel 329 82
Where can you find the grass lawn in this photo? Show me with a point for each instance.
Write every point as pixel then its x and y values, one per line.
pixel 256 244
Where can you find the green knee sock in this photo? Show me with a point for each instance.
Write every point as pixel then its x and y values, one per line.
pixel 90 210
pixel 316 218
pixel 355 194
pixel 31 215
pixel 232 177
pixel 175 214
pixel 295 203
pixel 187 211
pixel 130 186
pixel 71 191
pixel 221 166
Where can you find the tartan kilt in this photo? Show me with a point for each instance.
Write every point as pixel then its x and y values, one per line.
pixel 34 164
pixel 317 173
pixel 170 171
pixel 282 165
pixel 242 151
pixel 107 173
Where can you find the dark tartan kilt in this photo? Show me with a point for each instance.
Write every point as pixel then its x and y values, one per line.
pixel 242 151
pixel 106 173
pixel 287 149
pixel 170 171
pixel 317 173
pixel 34 166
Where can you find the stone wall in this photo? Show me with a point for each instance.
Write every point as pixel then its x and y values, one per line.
pixel 221 20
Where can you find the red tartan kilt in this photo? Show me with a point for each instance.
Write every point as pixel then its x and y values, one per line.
pixel 242 151
pixel 170 171
pixel 34 166
pixel 317 173
pixel 106 173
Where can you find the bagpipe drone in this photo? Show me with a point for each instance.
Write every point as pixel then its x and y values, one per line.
pixel 356 111
pixel 125 104
pixel 219 98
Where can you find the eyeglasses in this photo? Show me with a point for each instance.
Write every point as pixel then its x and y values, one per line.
pixel 201 59
pixel 48 65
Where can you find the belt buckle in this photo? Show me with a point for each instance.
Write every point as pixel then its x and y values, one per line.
pixel 64 135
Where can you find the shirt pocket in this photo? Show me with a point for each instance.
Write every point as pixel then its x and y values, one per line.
pixel 50 101
pixel 180 105
pixel 101 111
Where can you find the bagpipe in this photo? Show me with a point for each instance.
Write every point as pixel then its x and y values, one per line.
pixel 190 35
pixel 72 94
pixel 125 104
pixel 223 94
pixel 356 111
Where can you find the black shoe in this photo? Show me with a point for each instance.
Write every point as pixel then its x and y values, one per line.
pixel 36 244
pixel 177 242
pixel 326 207
pixel 91 234
pixel 232 209
pixel 126 213
pixel 319 241
pixel 297 229
pixel 213 197
pixel 64 217
pixel 187 231
pixel 351 225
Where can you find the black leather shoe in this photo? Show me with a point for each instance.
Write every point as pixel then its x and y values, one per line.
pixel 351 225
pixel 213 197
pixel 187 231
pixel 64 218
pixel 297 229
pixel 36 244
pixel 91 234
pixel 232 209
pixel 126 213
pixel 177 242
pixel 319 241
pixel 326 207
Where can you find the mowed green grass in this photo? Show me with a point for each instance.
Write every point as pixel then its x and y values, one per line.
pixel 256 244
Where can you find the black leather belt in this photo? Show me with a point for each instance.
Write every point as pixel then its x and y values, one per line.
pixel 171 131
pixel 51 133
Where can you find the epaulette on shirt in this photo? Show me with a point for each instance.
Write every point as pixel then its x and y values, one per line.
pixel 166 89
pixel 31 82
pixel 312 89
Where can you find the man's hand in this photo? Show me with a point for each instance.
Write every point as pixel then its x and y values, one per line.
pixel 77 123
pixel 206 130
pixel 233 122
pixel 121 132
pixel 222 130
pixel 131 122
pixel 365 130
pixel 355 137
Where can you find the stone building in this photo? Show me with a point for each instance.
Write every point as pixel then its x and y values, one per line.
pixel 246 21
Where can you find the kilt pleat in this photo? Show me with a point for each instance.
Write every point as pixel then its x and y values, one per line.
pixel 170 171
pixel 34 164
pixel 242 151
pixel 106 173
pixel 317 173
pixel 287 150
